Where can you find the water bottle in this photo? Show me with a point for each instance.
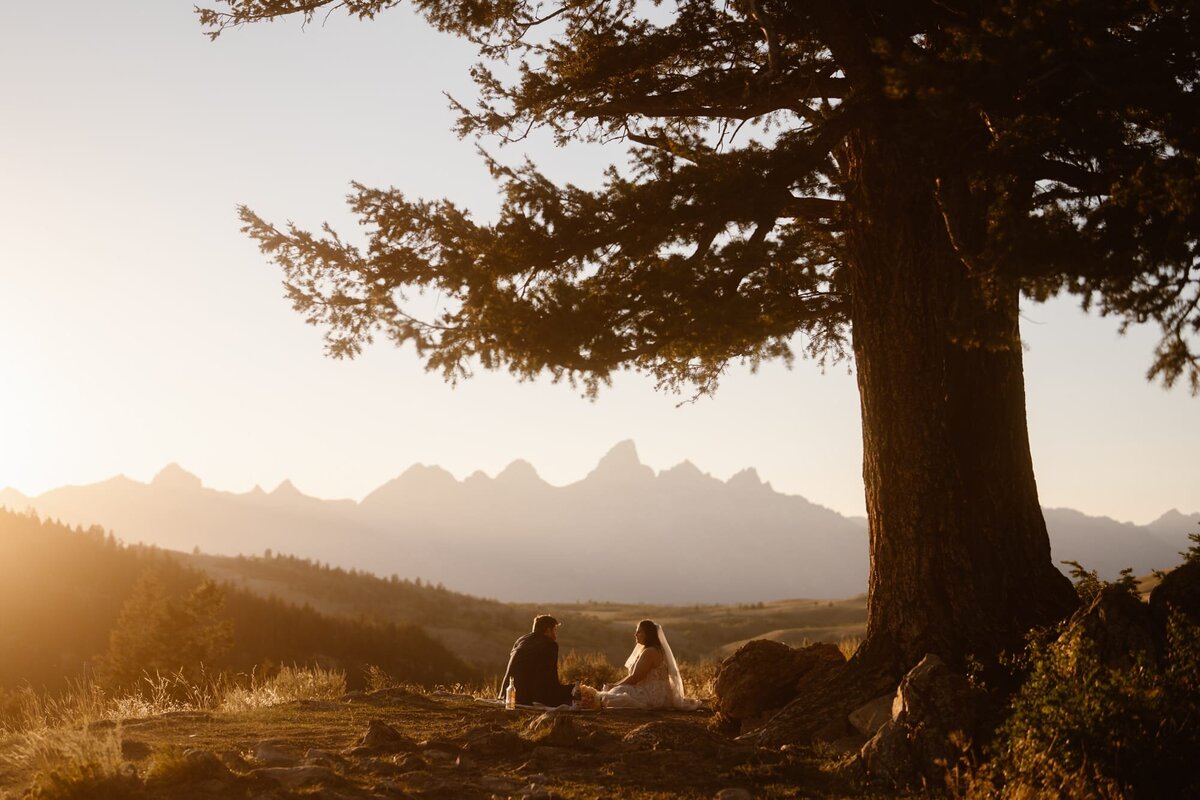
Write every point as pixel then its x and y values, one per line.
pixel 510 695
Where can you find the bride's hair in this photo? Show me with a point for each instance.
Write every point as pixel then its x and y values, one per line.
pixel 650 631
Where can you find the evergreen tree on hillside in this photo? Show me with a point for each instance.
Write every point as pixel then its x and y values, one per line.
pixel 138 643
pixel 885 179
pixel 155 634
pixel 201 628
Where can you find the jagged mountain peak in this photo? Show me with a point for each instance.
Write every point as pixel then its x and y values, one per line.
pixel 747 478
pixel 685 473
pixel 173 476
pixel 426 473
pixel 286 489
pixel 621 463
pixel 519 471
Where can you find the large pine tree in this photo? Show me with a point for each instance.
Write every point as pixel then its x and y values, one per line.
pixel 917 166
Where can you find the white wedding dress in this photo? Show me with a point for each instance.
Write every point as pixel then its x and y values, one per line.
pixel 661 688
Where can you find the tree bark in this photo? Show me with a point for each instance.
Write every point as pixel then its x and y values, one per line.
pixel 960 558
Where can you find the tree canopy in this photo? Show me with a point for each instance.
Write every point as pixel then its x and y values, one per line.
pixel 1058 138
pixel 881 179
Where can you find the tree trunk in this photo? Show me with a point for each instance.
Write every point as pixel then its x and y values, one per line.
pixel 960 558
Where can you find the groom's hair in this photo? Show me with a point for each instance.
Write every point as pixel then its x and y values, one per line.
pixel 543 623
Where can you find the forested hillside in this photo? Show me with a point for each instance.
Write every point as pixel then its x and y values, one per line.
pixel 476 629
pixel 481 631
pixel 64 589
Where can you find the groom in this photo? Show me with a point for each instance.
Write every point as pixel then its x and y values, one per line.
pixel 533 666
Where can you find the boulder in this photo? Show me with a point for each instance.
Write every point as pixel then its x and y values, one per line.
pixel 933 703
pixel 275 753
pixel 1180 590
pixel 871 716
pixel 887 757
pixel 555 730
pixel 382 737
pixel 828 694
pixel 764 675
pixel 934 710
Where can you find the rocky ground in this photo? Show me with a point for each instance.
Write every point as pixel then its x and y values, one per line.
pixel 397 744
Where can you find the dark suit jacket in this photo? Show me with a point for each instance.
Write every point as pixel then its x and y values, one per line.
pixel 533 665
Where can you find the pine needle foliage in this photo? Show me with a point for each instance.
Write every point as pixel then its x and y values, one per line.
pixel 1058 138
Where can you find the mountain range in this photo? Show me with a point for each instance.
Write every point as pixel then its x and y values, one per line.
pixel 623 533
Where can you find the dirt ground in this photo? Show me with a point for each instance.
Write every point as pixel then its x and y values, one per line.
pixel 437 746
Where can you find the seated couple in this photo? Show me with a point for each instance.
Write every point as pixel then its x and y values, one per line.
pixel 653 680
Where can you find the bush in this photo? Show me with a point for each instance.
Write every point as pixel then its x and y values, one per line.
pixel 1080 729
pixel 593 669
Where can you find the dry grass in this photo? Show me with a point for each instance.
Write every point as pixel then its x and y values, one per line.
pixel 288 685
pixel 85 702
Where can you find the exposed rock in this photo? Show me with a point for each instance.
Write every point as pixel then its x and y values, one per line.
pixel 384 738
pixel 870 717
pixel 830 694
pixel 764 675
pixel 274 753
pixel 931 705
pixel 488 741
pixel 555 730
pixel 293 777
pixel 836 728
pixel 1118 625
pixel 887 756
pixel 733 794
pixel 1180 589
pixel 325 758
pixel 673 735
pixel 422 780
pixel 411 761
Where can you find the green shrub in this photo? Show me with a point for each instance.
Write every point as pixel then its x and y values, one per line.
pixel 1078 728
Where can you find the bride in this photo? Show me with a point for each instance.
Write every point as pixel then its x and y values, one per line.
pixel 653 680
